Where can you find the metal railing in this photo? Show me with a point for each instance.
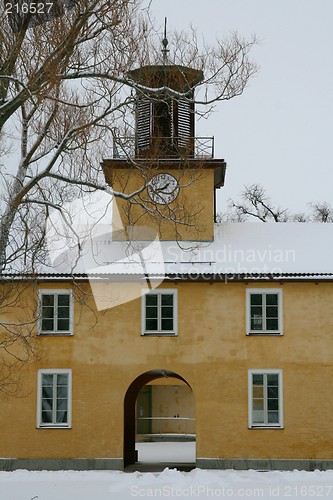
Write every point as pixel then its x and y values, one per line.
pixel 166 426
pixel 164 147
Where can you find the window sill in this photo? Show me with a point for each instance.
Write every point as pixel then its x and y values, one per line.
pixel 55 334
pixel 159 334
pixel 266 427
pixel 264 334
pixel 54 427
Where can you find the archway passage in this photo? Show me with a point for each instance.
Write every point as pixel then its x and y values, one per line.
pixel 130 453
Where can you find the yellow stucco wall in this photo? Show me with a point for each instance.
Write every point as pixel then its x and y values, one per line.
pixel 193 209
pixel 211 352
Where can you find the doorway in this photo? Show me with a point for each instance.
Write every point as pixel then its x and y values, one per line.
pixel 159 422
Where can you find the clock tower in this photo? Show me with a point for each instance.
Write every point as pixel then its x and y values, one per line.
pixel 168 175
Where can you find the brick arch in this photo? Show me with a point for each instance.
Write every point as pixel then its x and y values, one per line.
pixel 129 409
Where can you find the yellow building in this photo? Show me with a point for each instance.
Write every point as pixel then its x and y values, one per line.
pixel 234 321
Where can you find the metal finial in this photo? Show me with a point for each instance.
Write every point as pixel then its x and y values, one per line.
pixel 165 42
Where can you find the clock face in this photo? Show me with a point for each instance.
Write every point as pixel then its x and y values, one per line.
pixel 163 188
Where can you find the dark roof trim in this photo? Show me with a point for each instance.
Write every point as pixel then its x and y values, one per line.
pixel 178 277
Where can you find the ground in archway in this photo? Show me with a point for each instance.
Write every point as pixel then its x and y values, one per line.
pixel 155 457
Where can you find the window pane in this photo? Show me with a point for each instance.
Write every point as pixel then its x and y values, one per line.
pixel 47 325
pixel 63 300
pixel 256 322
pixel 258 404
pixel 63 325
pixel 151 312
pixel 47 300
pixel 61 417
pixel 167 324
pixel 271 299
pixel 47 391
pixel 167 299
pixel 272 379
pixel 258 416
pixel 273 404
pixel 271 311
pixel 151 325
pixel 47 379
pixel 273 417
pixel 256 311
pixel 46 417
pixel 47 404
pixel 258 391
pixel 63 312
pixel 272 324
pixel 273 392
pixel 62 379
pixel 47 312
pixel 151 300
pixel 256 299
pixel 258 379
pixel 61 404
pixel 62 391
pixel 167 312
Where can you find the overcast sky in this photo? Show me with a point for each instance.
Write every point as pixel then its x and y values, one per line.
pixel 280 131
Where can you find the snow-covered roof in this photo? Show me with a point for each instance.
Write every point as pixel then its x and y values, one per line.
pixel 81 241
pixel 263 250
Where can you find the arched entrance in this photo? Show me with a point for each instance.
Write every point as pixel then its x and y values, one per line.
pixel 130 455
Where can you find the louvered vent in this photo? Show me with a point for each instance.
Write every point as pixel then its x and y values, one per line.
pixel 143 124
pixel 184 123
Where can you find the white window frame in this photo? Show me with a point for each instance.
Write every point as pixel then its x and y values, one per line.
pixel 48 425
pixel 56 291
pixel 265 371
pixel 160 292
pixel 249 292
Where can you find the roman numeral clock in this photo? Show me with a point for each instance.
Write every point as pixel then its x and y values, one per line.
pixel 163 188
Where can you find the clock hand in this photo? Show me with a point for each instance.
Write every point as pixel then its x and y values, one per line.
pixel 163 188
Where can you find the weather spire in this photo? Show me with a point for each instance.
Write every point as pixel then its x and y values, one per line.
pixel 165 43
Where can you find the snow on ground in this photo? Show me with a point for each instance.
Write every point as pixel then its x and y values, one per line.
pixel 171 483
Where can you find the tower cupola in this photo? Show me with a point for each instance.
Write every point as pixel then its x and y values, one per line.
pixel 165 110
pixel 168 175
pixel 165 107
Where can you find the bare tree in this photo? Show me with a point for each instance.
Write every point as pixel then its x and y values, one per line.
pixel 65 96
pixel 17 333
pixel 256 203
pixel 64 88
pixel 322 212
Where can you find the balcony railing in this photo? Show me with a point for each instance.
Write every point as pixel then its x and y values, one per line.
pixel 164 147
pixel 166 426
